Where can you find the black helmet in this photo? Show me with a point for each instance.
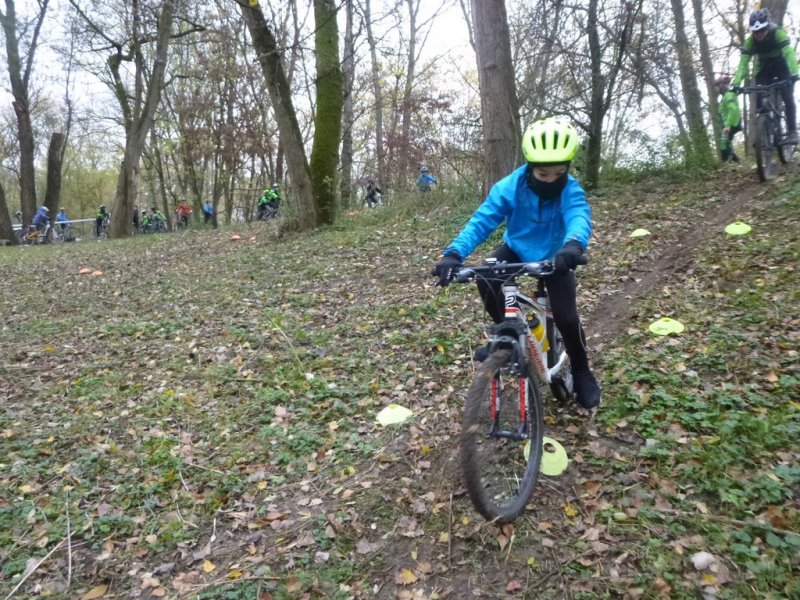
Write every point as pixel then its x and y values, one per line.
pixel 103 207
pixel 759 19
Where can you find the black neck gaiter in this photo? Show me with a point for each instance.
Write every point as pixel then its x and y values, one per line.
pixel 547 190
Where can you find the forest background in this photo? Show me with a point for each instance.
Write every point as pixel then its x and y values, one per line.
pixel 147 102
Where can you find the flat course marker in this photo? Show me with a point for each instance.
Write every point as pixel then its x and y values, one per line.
pixel 665 326
pixel 738 228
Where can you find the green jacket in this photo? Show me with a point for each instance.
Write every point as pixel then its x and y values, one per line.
pixel 775 48
pixel 729 110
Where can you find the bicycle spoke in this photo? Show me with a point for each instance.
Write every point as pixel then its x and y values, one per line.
pixel 503 414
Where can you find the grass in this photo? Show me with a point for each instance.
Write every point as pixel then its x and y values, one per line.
pixel 202 414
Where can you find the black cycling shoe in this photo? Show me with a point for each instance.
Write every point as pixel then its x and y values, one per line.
pixel 481 354
pixel 587 391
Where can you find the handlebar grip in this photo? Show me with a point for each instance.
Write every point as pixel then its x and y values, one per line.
pixel 583 260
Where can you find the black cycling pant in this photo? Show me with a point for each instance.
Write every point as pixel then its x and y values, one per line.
pixel 561 289
pixel 766 76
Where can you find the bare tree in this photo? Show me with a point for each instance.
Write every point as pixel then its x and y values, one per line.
pixel 499 107
pixel 700 150
pixel 708 71
pixel 377 91
pixel 20 67
pixel 144 25
pixel 348 116
pixel 269 57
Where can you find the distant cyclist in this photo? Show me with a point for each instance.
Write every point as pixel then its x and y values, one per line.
pixel 731 118
pixel 101 220
pixel 62 219
pixel 208 211
pixel 425 181
pixel 269 202
pixel 183 212
pixel 41 218
pixel 775 60
pixel 373 197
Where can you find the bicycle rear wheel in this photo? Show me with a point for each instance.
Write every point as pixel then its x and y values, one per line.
pixel 498 475
pixel 765 148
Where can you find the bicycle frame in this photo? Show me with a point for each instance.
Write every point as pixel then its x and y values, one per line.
pixel 533 352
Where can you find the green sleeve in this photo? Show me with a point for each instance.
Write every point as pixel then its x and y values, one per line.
pixel 729 109
pixel 744 62
pixel 788 50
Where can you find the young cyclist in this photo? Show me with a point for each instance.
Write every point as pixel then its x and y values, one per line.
pixel 183 212
pixel 208 211
pixel 373 197
pixel 41 218
pixel 425 181
pixel 547 217
pixel 269 201
pixel 101 219
pixel 731 118
pixel 62 219
pixel 775 61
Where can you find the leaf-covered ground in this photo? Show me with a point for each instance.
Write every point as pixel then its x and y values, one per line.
pixel 198 420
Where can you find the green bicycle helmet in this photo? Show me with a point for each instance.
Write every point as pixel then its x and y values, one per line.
pixel 550 141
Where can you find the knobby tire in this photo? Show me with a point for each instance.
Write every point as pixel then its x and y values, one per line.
pixel 765 148
pixel 498 479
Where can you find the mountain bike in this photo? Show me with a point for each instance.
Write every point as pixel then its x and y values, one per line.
pixel 267 212
pixel 30 235
pixel 503 426
pixel 770 139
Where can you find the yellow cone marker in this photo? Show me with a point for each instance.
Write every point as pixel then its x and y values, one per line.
pixel 639 233
pixel 393 414
pixel 665 326
pixel 738 228
pixel 554 457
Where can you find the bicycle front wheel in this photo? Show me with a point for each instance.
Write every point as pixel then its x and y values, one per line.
pixel 765 148
pixel 501 439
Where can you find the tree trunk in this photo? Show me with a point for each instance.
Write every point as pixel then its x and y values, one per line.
pixel 55 158
pixel 499 107
pixel 348 118
pixel 19 76
pixel 6 225
pixel 328 121
pixel 777 9
pixel 701 150
pixel 408 88
pixel 708 72
pixel 377 92
pixel 139 119
pixel 280 94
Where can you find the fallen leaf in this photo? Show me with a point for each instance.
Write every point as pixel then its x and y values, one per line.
pixel 406 577
pixel 513 586
pixel 97 591
pixel 208 566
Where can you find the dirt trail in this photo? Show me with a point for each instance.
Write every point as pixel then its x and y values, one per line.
pixel 612 313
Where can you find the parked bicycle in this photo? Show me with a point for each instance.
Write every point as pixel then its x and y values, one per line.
pixel 503 427
pixel 770 135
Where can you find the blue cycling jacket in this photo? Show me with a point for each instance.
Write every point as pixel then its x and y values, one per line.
pixel 535 229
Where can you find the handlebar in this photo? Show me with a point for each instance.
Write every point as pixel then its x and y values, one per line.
pixel 543 268
pixel 763 89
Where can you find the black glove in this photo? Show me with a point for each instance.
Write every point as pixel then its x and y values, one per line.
pixel 795 78
pixel 446 268
pixel 569 257
pixel 737 89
